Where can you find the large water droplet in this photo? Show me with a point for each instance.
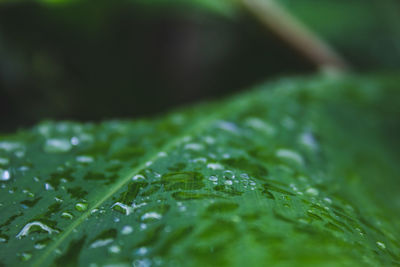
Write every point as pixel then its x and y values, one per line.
pixel 81 206
pixel 122 208
pixel 67 215
pixel 35 226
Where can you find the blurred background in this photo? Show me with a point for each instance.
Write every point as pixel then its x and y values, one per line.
pixel 89 60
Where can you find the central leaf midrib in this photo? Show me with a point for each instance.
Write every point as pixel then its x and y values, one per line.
pixel 201 124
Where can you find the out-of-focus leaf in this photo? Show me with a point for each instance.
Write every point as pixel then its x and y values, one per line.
pixel 297 172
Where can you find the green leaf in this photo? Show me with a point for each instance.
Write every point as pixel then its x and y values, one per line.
pixel 297 172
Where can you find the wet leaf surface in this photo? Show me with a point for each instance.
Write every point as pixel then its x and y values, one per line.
pixel 296 172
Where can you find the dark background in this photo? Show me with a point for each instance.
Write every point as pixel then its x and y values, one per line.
pixel 93 60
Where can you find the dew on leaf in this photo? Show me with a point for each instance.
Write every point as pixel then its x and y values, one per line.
pixel 138 177
pixel 4 161
pixel 142 251
pixel 122 208
pixel 312 191
pixel 215 166
pixel 74 141
pixel 261 125
pixel 290 155
pixel 149 216
pixel 228 182
pixel 213 178
pixel 57 145
pixel 194 147
pixel 84 159
pixel 81 206
pixel 67 215
pixel 35 226
pixel 4 175
pixel 126 230
pixel 103 239
pixel 308 140
pixel 25 256
pixel 114 249
pixel 101 243
pixel 381 245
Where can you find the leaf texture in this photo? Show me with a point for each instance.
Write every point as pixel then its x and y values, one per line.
pixel 296 172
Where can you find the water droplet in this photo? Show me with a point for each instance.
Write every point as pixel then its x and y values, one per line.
pixel 126 230
pixel 67 215
pixel 308 140
pixel 260 125
pixel 312 191
pixel 148 164
pixel 9 146
pixel 228 126
pixel 328 200
pixel 229 174
pixel 48 186
pixel 4 161
pixel 74 141
pixel 142 251
pixel 138 177
pixel 81 206
pixel 215 166
pixel 162 154
pixel 57 146
pixel 151 216
pixel 209 140
pixel 142 263
pixel 291 155
pixel 213 178
pixel 84 159
pixel 228 182
pixel 4 175
pixel 202 160
pixel 114 249
pixel 381 245
pixel 194 147
pixel 25 256
pixel 120 207
pixel 35 227
pixel 101 243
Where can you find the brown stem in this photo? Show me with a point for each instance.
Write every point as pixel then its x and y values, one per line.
pixel 296 34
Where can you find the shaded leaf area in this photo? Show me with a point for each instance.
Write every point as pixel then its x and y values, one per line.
pixel 297 172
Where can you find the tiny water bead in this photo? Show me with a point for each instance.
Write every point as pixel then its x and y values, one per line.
pixel 81 206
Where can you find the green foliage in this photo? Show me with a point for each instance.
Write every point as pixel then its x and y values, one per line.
pixel 297 172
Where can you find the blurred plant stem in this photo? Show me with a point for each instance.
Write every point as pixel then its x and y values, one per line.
pixel 296 34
